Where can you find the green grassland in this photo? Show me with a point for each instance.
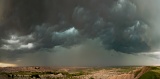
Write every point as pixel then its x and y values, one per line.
pixel 154 73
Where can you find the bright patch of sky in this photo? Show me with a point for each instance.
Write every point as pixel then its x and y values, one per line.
pixel 28 46
pixel 16 42
pixel 69 32
pixel 7 65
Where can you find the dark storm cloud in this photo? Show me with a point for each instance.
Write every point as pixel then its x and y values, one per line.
pixel 121 26
pixel 48 37
pixel 109 20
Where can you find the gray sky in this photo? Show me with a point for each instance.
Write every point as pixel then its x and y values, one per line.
pixel 79 32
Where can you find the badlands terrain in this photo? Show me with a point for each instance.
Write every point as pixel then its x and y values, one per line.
pixel 36 72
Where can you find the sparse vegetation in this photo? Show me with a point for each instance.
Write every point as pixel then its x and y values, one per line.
pixel 126 69
pixel 80 73
pixel 67 75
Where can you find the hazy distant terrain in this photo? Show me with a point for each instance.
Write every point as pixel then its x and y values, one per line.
pixel 79 73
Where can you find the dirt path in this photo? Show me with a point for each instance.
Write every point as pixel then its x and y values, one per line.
pixel 142 71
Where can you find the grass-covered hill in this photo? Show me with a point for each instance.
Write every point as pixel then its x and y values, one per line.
pixel 153 73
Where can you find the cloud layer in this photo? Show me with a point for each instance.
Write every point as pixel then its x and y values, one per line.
pixel 76 32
